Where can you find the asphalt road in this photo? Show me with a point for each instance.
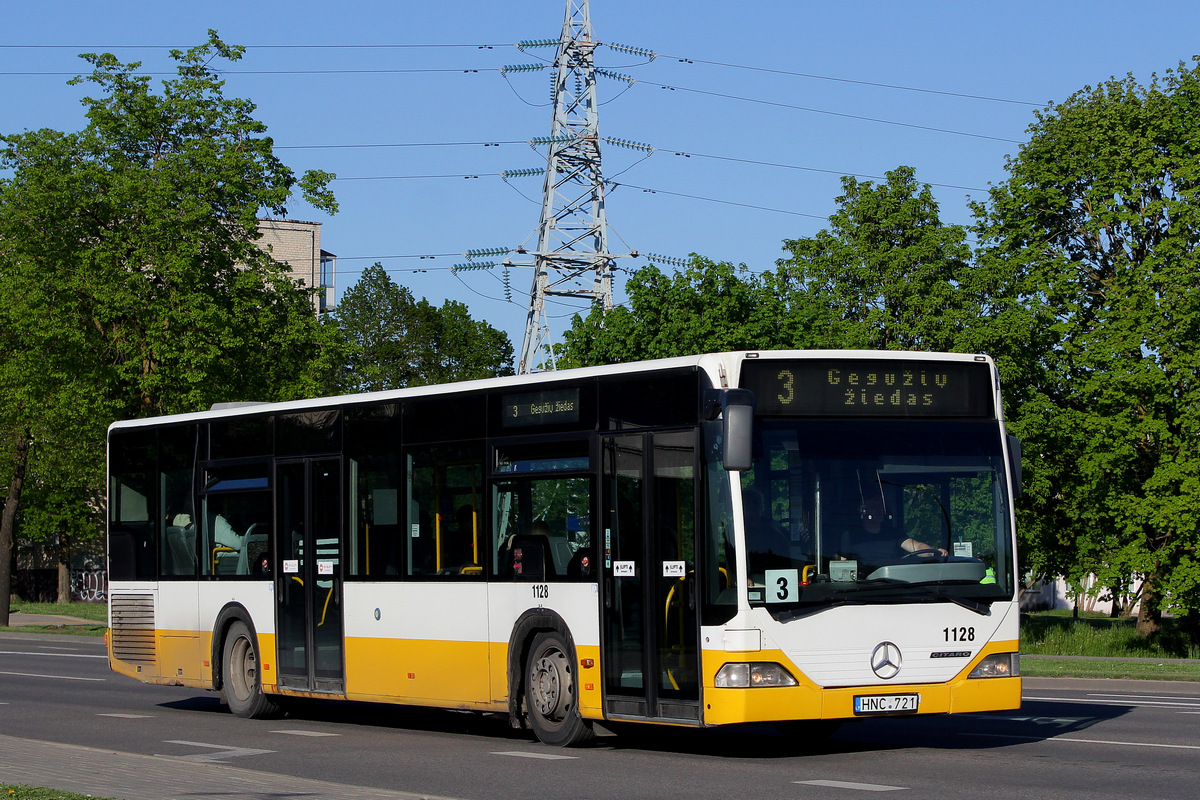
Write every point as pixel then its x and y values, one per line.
pixel 1071 739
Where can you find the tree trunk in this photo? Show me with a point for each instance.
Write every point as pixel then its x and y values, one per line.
pixel 1149 621
pixel 9 518
pixel 64 579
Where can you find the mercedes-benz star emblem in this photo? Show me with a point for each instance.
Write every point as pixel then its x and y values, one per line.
pixel 886 660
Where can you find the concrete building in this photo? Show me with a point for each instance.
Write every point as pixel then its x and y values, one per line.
pixel 298 244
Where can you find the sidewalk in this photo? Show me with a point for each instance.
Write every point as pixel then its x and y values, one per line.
pixel 16 619
pixel 129 776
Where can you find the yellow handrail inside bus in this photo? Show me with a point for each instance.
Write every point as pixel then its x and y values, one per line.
pixel 219 549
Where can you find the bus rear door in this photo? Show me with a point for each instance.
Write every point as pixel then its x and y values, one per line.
pixel 308 574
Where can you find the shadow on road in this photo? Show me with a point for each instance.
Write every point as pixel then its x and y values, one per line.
pixel 1035 721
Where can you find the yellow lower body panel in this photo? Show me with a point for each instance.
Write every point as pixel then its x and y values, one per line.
pixel 809 701
pixel 425 672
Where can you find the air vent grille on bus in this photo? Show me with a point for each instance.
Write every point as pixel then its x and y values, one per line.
pixel 133 628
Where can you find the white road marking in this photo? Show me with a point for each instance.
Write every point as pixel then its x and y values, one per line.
pixel 524 754
pixel 1086 741
pixel 127 716
pixel 55 655
pixel 1152 703
pixel 1144 697
pixel 862 787
pixel 307 733
pixel 224 752
pixel 55 677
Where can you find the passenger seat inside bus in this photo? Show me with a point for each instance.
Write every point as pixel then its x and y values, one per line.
pixel 529 559
pixel 182 552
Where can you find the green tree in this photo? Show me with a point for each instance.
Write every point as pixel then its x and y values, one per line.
pixel 130 283
pixel 399 341
pixel 886 273
pixel 1097 230
pixel 706 307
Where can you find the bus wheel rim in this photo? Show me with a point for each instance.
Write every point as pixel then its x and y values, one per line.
pixel 548 683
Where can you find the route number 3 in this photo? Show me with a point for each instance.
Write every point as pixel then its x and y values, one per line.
pixel 783 585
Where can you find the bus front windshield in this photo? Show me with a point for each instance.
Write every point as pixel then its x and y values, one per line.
pixel 876 511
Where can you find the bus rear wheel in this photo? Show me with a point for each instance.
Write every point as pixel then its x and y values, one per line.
pixel 241 679
pixel 551 693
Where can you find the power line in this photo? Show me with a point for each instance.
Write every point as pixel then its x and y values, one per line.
pixel 649 190
pixel 394 144
pixel 673 151
pixel 494 45
pixel 853 81
pixel 247 46
pixel 858 117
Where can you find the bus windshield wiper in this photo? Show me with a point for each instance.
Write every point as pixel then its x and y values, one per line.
pixel 815 607
pixel 877 593
pixel 937 590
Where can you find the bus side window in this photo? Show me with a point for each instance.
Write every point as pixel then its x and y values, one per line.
pixel 542 529
pixel 444 503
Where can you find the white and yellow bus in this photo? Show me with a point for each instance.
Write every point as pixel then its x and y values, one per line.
pixel 702 541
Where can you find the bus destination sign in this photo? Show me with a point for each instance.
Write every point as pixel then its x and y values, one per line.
pixel 552 407
pixel 870 388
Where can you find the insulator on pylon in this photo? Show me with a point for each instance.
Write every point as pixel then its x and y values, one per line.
pixel 617 76
pixel 490 251
pixel 657 259
pixel 629 144
pixel 634 51
pixel 470 266
pixel 521 173
pixel 531 43
pixel 522 68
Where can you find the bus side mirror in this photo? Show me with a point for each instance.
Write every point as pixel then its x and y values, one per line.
pixel 737 415
pixel 1014 464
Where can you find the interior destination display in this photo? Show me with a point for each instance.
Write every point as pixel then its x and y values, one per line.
pixel 554 406
pixel 870 388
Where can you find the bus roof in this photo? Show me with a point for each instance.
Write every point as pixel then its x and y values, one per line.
pixel 723 367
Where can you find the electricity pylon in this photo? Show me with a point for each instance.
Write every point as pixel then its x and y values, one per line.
pixel 572 258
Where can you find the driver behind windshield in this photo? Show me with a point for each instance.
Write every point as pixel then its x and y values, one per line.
pixel 878 541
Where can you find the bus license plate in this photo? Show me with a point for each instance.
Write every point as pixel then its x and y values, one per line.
pixel 886 703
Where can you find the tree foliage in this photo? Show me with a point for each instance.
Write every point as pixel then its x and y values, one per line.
pixel 886 274
pixel 130 283
pixel 705 307
pixel 399 341
pixel 1098 226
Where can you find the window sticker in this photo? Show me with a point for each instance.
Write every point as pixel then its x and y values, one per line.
pixel 782 585
pixel 675 569
pixel 291 566
pixel 324 567
pixel 623 569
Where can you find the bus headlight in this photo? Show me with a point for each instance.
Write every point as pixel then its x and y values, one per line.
pixel 755 674
pixel 998 665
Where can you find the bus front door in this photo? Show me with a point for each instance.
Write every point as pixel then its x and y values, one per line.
pixel 308 575
pixel 650 634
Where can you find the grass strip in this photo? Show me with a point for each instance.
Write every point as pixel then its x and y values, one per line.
pixel 1148 670
pixel 9 791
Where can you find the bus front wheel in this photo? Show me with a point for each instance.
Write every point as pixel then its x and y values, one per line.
pixel 551 693
pixel 242 680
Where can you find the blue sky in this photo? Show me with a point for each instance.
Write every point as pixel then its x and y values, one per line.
pixel 744 97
